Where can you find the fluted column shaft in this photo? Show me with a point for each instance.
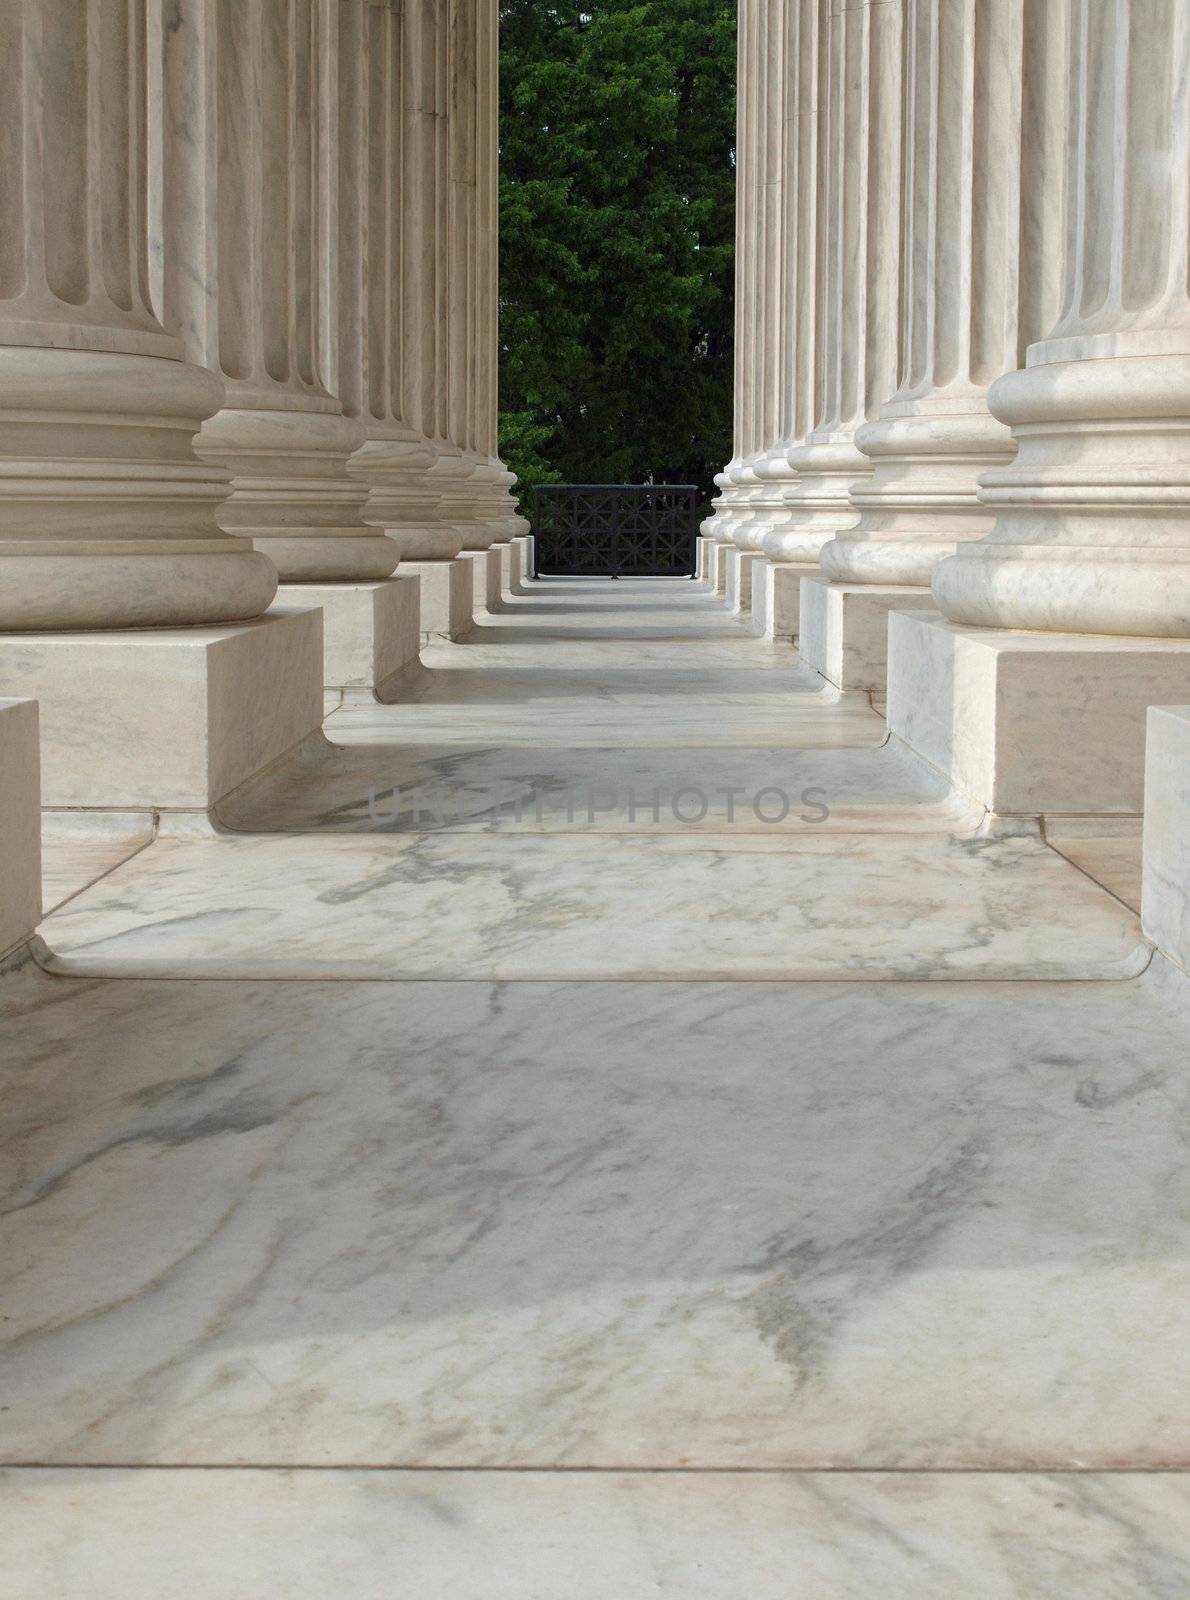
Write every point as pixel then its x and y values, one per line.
pixel 246 260
pixel 107 517
pixel 374 229
pixel 858 54
pixel 493 481
pixel 774 333
pixel 737 479
pixel 1092 516
pixel 983 85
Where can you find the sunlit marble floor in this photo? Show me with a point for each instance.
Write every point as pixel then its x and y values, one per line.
pixel 557 1289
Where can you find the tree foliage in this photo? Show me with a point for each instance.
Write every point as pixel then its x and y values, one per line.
pixel 617 196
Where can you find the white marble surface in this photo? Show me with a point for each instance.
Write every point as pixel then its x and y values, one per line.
pixel 844 629
pixel 563 905
pixel 740 1225
pixel 348 782
pixel 167 716
pixel 1031 722
pixel 1166 891
pixel 446 596
pixel 80 847
pixel 317 1535
pixel 371 631
pixel 20 823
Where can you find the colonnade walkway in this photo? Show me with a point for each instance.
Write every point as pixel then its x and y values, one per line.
pixel 619 1127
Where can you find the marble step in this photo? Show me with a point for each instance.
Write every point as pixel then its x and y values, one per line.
pixel 593 1536
pixel 597 906
pixel 651 1226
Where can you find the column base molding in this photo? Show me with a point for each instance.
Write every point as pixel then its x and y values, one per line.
pixel 739 580
pixel 776 596
pixel 167 718
pixel 1031 723
pixel 371 631
pixel 447 596
pixel 844 629
pixel 20 824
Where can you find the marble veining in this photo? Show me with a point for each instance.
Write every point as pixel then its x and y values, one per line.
pixel 873 1225
pixel 586 905
pixel 225 1535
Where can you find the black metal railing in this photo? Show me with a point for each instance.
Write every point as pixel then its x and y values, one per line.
pixel 615 530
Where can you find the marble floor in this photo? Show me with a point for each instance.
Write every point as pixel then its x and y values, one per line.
pixel 410 1189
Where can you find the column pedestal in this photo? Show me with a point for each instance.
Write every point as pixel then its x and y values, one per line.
pixel 776 595
pixel 505 551
pixel 485 579
pixel 20 824
pixel 371 631
pixel 738 585
pixel 844 628
pixel 1165 898
pixel 447 596
pixel 167 718
pixel 1031 722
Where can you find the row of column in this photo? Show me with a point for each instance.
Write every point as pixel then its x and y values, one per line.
pixel 247 301
pixel 963 330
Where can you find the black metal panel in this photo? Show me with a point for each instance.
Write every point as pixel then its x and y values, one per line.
pixel 613 530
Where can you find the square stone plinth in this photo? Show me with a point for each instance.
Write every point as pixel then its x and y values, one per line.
pixel 1165 897
pixel 1031 722
pixel 371 631
pixel 739 579
pixel 844 628
pixel 504 551
pixel 20 823
pixel 701 558
pixel 447 596
pixel 776 593
pixel 485 579
pixel 167 718
pixel 519 568
pixel 717 566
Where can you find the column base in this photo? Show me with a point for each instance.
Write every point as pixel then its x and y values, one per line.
pixel 20 824
pixel 717 567
pixel 167 718
pixel 522 564
pixel 776 595
pixel 1031 722
pixel 505 552
pixel 739 580
pixel 844 629
pixel 447 596
pixel 1165 897
pixel 371 631
pixel 485 579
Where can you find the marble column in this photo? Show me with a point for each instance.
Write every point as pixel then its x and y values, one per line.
pixel 109 518
pixel 776 583
pixel 244 259
pixel 1090 533
pixel 858 54
pixel 432 538
pixel 736 480
pixel 373 629
pixel 983 85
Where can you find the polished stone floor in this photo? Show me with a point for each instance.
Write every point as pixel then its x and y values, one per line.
pixel 463 1171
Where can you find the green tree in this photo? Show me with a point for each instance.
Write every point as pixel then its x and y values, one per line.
pixel 617 196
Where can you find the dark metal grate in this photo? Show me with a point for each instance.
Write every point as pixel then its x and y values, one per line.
pixel 612 530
